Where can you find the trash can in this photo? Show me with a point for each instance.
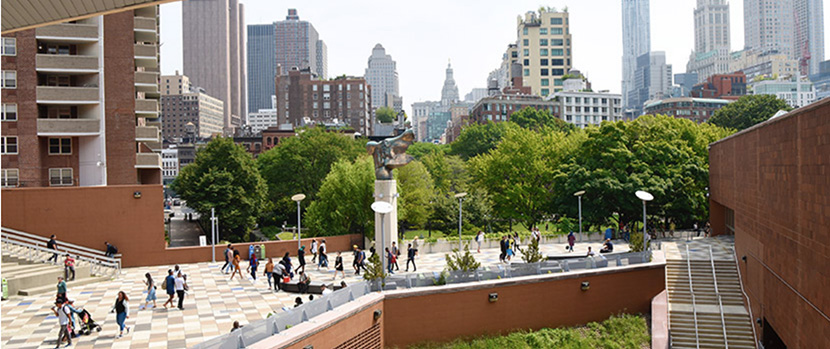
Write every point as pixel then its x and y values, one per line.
pixel 5 289
pixel 257 251
pixel 262 251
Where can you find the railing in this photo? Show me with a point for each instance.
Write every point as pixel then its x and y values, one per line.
pixel 259 330
pixel 717 293
pixel 265 328
pixel 692 291
pixel 748 304
pixel 34 246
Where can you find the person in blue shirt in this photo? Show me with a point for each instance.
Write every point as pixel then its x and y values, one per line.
pixel 253 263
pixel 170 282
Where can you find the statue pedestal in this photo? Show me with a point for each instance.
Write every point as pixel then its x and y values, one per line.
pixel 386 190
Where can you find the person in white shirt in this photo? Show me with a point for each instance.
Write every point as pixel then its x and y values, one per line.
pixel 181 286
pixel 61 310
pixel 479 240
pixel 313 250
pixel 326 290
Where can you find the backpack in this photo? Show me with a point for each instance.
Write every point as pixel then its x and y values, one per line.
pixel 164 284
pixel 114 249
pixel 320 249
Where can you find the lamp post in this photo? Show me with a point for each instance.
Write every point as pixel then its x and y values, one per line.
pixel 382 208
pixel 298 198
pixel 644 196
pixel 579 198
pixel 460 197
pixel 214 231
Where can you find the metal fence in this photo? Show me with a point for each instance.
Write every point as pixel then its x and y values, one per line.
pixel 33 247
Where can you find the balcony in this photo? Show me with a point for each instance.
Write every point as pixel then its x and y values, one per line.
pixel 147 108
pixel 147 82
pixel 67 95
pixel 147 134
pixel 145 29
pixel 68 127
pixel 68 33
pixel 146 55
pixel 148 160
pixel 66 63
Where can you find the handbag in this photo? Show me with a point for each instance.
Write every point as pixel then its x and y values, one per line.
pixel 286 279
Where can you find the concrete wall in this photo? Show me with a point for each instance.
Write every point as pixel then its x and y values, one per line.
pixel 776 179
pixel 88 216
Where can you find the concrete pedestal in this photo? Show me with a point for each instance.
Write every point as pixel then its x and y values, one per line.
pixel 386 190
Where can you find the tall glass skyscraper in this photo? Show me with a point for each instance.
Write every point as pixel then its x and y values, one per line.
pixel 262 65
pixel 636 42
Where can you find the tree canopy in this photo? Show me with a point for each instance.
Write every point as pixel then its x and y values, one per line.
pixel 416 191
pixel 748 110
pixel 385 115
pixel 343 204
pixel 535 119
pixel 478 139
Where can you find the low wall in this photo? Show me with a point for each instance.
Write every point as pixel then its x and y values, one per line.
pixel 89 216
pixel 447 246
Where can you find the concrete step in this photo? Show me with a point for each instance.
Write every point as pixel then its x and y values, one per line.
pixel 40 276
pixel 69 286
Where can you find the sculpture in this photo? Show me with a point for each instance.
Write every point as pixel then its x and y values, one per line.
pixel 390 153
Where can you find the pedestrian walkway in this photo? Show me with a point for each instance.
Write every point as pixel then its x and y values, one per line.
pixel 211 305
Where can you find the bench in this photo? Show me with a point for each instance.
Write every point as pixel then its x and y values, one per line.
pixel 316 287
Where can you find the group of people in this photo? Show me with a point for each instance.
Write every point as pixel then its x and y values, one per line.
pixel 509 246
pixel 72 319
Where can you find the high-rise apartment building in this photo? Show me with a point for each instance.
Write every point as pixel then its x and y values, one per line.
pixel 214 53
pixel 636 28
pixel 262 65
pixel 382 75
pixel 80 102
pixel 652 80
pixel 809 34
pixel 791 27
pixel 544 49
pixel 299 45
pixel 184 106
pixel 711 25
pixel 303 100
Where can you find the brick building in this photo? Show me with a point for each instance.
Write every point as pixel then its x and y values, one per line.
pixel 80 103
pixel 499 108
pixel 303 100
pixel 769 186
pixel 724 86
pixel 183 104
pixel 695 109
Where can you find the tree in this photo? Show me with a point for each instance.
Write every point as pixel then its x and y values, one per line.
pixel 299 165
pixel 343 204
pixel 416 191
pixel 479 139
pixel 462 262
pixel 748 110
pixel 448 172
pixel 532 254
pixel 535 119
pixel 386 115
pixel 420 149
pixel 224 177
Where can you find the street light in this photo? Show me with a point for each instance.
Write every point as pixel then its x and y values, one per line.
pixel 214 232
pixel 644 196
pixel 298 198
pixel 460 197
pixel 382 208
pixel 579 197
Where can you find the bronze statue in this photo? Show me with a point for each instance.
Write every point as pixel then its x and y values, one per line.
pixel 390 153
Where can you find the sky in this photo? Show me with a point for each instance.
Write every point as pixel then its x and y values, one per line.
pixel 423 35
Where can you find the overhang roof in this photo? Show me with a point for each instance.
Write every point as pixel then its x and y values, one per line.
pixel 27 14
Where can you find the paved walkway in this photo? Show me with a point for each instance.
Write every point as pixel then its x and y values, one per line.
pixel 211 306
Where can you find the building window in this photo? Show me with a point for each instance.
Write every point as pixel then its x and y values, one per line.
pixel 8 145
pixel 314 87
pixel 348 87
pixel 556 21
pixel 10 177
pixel 545 92
pixel 526 72
pixel 9 79
pixel 543 42
pixel 526 52
pixel 326 88
pixel 315 96
pixel 543 52
pixel 326 105
pixel 543 31
pixel 524 31
pixel 557 82
pixel 556 42
pixel 9 47
pixel 555 31
pixel 543 61
pixel 525 42
pixel 545 82
pixel 60 146
pixel 316 105
pixel 557 72
pixel 544 72
pixel 60 176
pixel 556 52
pixel 9 112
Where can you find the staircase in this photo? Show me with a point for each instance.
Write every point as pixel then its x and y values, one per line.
pixel 706 307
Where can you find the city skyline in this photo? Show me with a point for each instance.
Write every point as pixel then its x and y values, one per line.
pixel 422 41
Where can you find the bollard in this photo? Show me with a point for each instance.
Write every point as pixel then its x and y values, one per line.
pixel 5 289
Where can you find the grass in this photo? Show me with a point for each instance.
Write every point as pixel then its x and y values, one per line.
pixel 621 331
pixel 286 236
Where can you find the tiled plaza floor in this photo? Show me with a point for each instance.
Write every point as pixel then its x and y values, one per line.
pixel 211 306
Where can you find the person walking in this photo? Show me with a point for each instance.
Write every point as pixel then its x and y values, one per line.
pixel 301 258
pixel 415 244
pixel 70 304
pixel 236 268
pixel 62 312
pixel 269 271
pixel 181 286
pixel 313 250
pixel 61 296
pixel 397 253
pixel 479 240
pixel 503 248
pixel 151 292
pixel 510 244
pixel 359 258
pixel 228 258
pixel 410 254
pixel 252 265
pixel 390 266
pixel 286 262
pixel 571 241
pixel 338 266
pixel 122 312
pixel 323 258
pixel 69 267
pixel 53 245
pixel 169 286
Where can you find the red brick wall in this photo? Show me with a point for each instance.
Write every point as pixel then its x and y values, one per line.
pixel 119 94
pixel 776 178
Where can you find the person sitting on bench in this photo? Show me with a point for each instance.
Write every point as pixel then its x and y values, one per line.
pixel 607 247
pixel 305 280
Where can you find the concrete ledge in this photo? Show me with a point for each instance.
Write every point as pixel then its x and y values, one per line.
pixel 660 321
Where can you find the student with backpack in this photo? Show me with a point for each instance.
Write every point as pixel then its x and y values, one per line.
pixel 111 249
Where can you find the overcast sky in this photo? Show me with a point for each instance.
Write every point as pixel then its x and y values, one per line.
pixel 422 35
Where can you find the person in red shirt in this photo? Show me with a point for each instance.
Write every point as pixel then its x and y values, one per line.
pixel 69 266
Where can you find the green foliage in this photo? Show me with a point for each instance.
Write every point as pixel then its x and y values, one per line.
pixel 420 149
pixel 531 254
pixel 344 201
pixel 620 331
pixel 374 270
pixel 478 139
pixel 462 262
pixel 416 190
pixel 476 210
pixel 224 177
pixel 299 165
pixel 534 119
pixel 385 115
pixel 448 173
pixel 442 278
pixel 748 110
pixel 567 225
pixel 635 242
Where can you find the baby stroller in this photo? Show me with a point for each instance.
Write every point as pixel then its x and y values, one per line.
pixel 87 324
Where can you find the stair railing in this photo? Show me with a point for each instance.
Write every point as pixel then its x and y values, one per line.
pixel 717 293
pixel 692 291
pixel 35 244
pixel 748 304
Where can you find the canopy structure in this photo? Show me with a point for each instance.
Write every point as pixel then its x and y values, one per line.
pixel 27 14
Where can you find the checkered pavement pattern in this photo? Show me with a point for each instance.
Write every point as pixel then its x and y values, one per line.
pixel 211 305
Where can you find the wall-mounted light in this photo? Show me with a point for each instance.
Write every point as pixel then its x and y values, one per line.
pixel 137 194
pixel 377 314
pixel 743 258
pixel 493 297
pixel 758 320
pixel 586 285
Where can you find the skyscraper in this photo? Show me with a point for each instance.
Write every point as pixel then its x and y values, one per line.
pixel 449 94
pixel 636 42
pixel 262 66
pixel 214 53
pixel 768 26
pixel 382 75
pixel 299 45
pixel 809 34
pixel 652 80
pixel 711 25
pixel 544 50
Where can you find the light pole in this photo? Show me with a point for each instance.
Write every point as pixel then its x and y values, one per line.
pixel 213 233
pixel 382 208
pixel 579 198
pixel 644 196
pixel 298 198
pixel 460 197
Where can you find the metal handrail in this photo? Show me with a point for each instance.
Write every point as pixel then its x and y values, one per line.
pixel 63 243
pixel 748 304
pixel 96 260
pixel 717 293
pixel 692 292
